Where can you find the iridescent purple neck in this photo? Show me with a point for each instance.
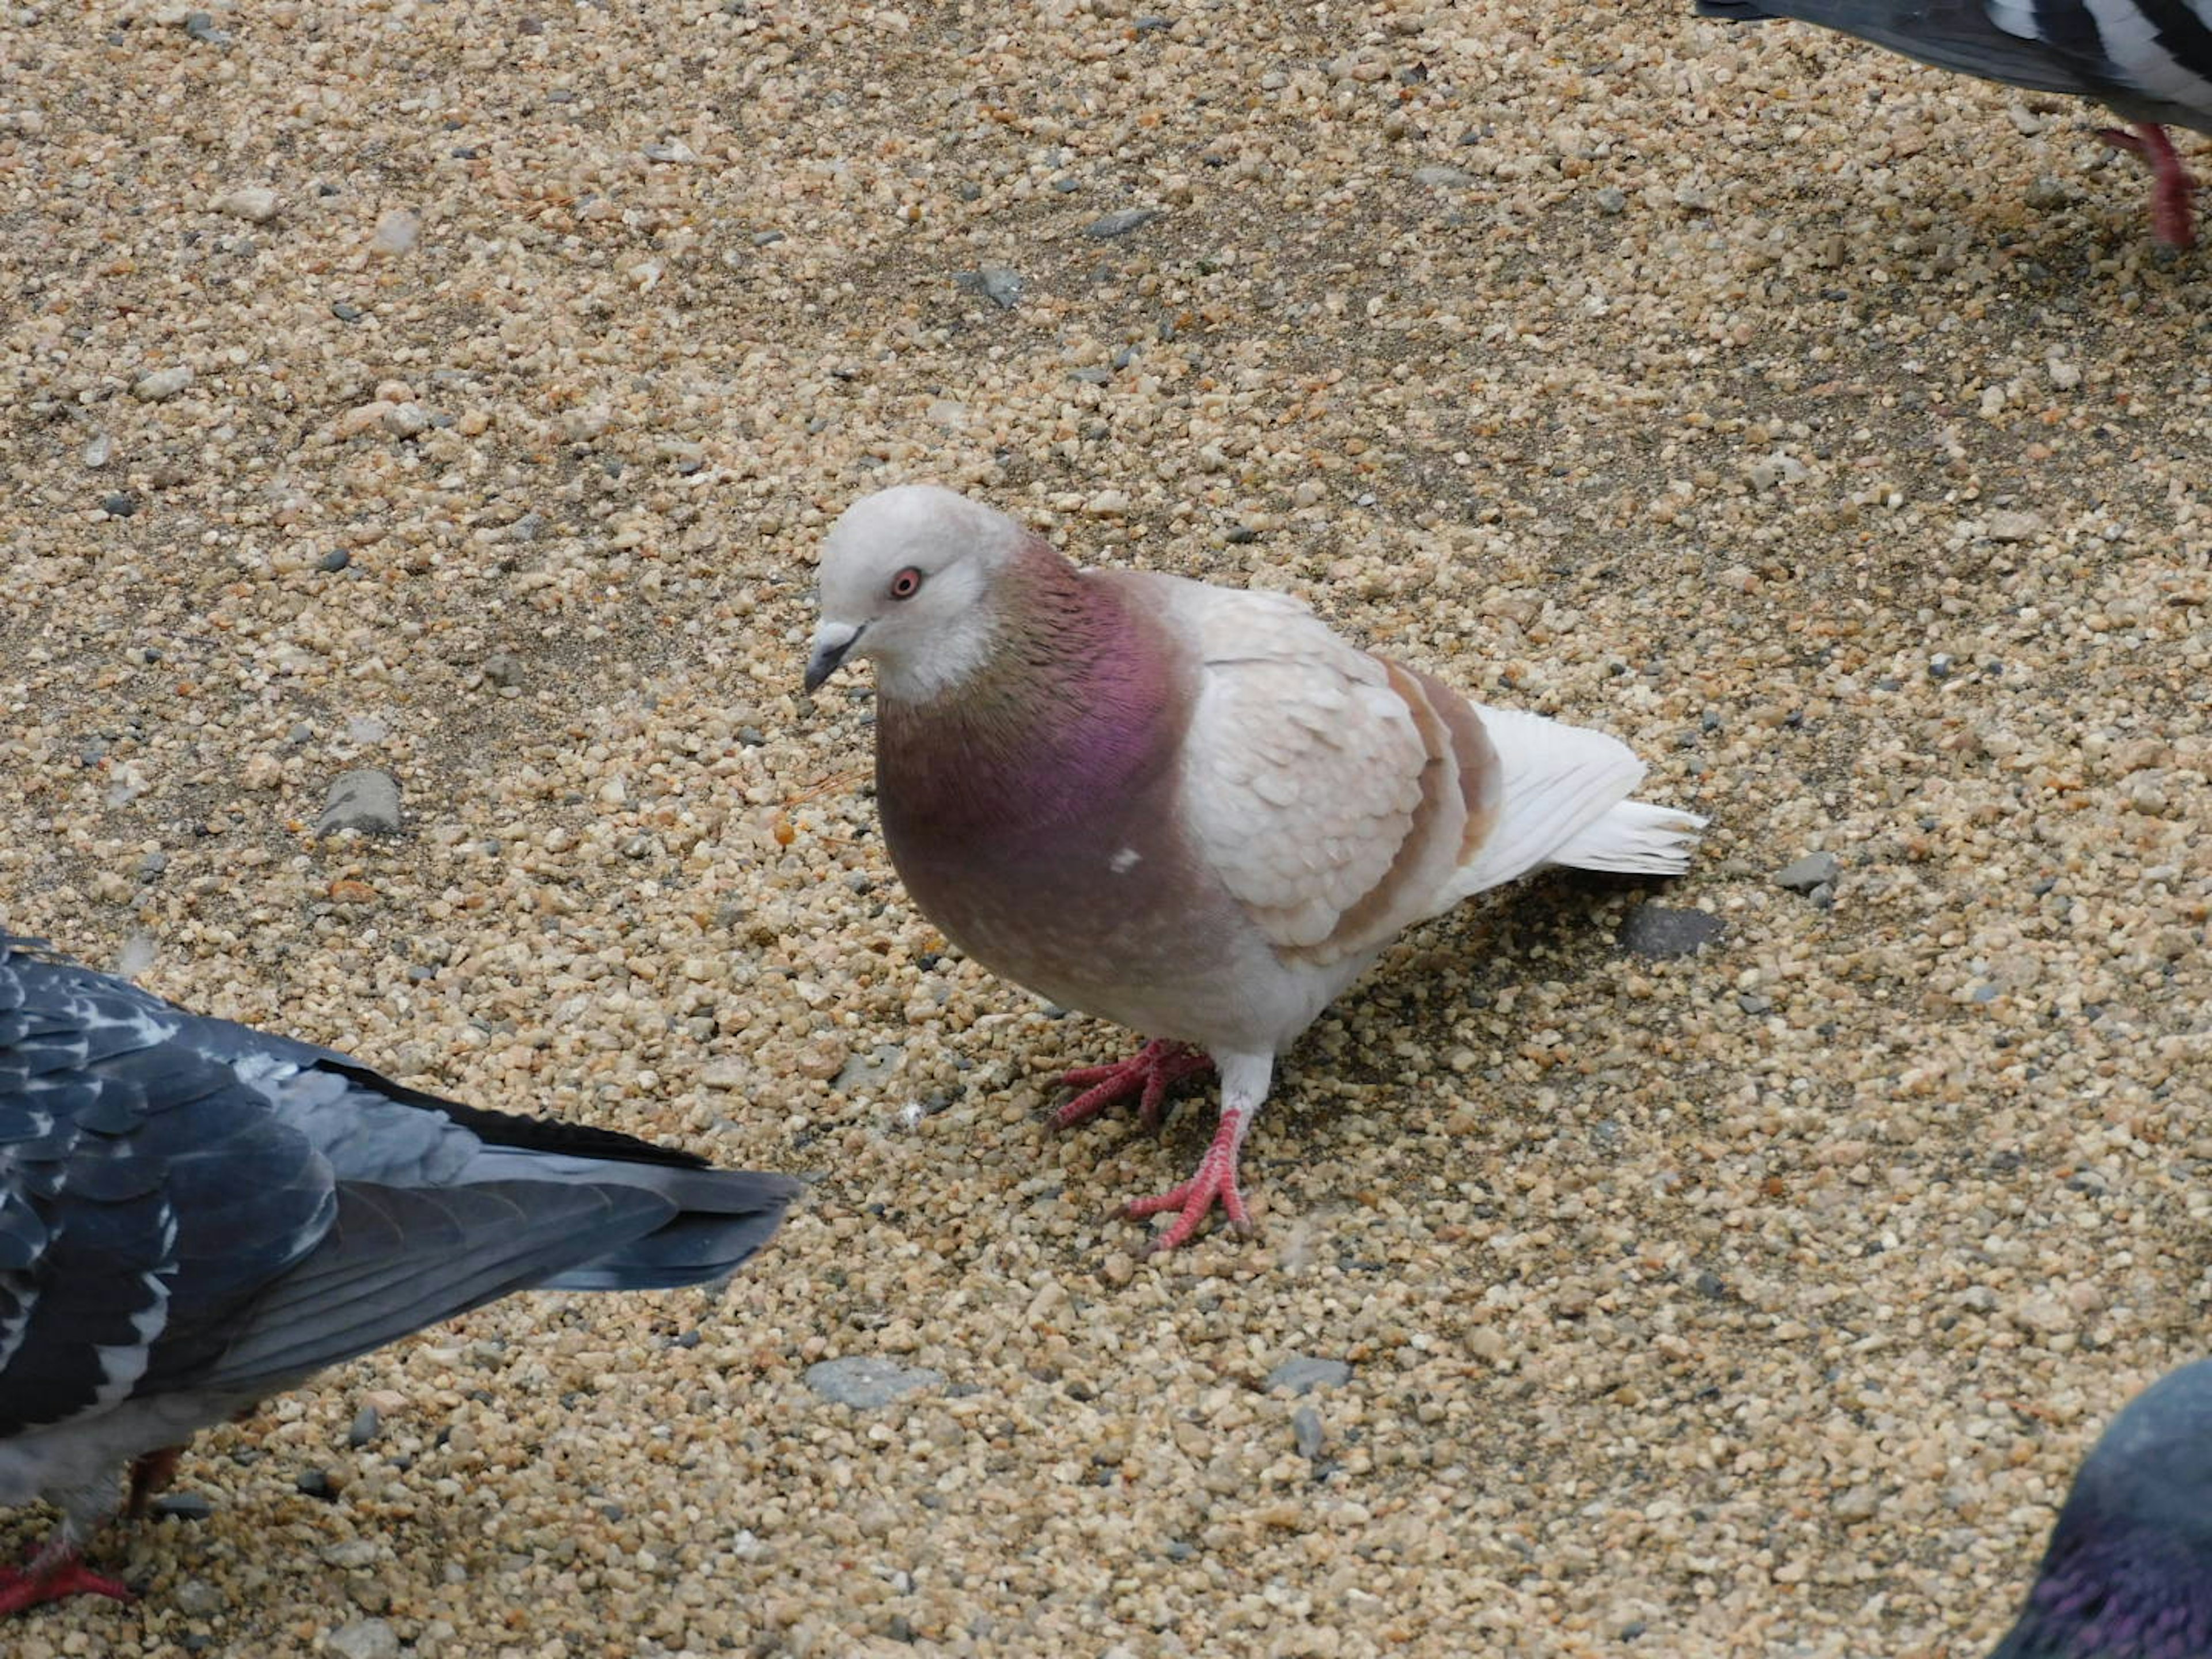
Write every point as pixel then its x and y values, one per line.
pixel 1072 705
pixel 2130 1595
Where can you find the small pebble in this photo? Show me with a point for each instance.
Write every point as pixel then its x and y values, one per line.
pixel 1814 870
pixel 865 1383
pixel 1659 931
pixel 395 233
pixel 365 1638
pixel 364 799
pixel 1302 1374
pixel 1120 223
pixel 161 384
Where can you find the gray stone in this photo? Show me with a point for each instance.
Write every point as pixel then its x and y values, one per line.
pixel 334 561
pixel 1302 1374
pixel 1306 1432
pixel 1814 870
pixel 865 1383
pixel 866 1070
pixel 1659 931
pixel 503 668
pixel 367 1425
pixel 1120 223
pixel 120 504
pixel 1440 178
pixel 183 1506
pixel 99 451
pixel 365 1638
pixel 197 1599
pixel 997 284
pixel 1611 200
pixel 161 384
pixel 366 800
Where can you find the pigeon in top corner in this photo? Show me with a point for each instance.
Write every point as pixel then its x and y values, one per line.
pixel 2128 1572
pixel 195 1215
pixel 2149 60
pixel 1190 809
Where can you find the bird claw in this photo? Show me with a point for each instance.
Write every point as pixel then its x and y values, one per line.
pixel 1149 1074
pixel 2172 211
pixel 1215 1182
pixel 49 1578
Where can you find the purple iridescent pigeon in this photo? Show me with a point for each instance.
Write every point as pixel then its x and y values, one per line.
pixel 195 1215
pixel 2128 1572
pixel 1193 811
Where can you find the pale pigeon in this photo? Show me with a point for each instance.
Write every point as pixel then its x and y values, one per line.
pixel 195 1215
pixel 2150 61
pixel 1191 809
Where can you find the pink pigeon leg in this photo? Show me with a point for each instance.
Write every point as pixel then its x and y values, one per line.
pixel 1243 1086
pixel 54 1572
pixel 1152 1071
pixel 2172 213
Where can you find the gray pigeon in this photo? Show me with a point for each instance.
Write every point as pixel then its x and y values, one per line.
pixel 2128 1572
pixel 2149 60
pixel 195 1215
pixel 1190 809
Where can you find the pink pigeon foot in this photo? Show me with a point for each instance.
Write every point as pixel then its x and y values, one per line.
pixel 54 1572
pixel 2172 213
pixel 1153 1070
pixel 1216 1180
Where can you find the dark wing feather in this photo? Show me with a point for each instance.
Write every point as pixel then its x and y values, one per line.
pixel 395 1262
pixel 1952 34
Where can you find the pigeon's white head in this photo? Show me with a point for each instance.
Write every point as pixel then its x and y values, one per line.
pixel 907 579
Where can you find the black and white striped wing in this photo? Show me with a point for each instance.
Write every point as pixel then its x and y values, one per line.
pixel 2150 59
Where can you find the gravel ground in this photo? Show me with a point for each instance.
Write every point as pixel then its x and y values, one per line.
pixel 461 390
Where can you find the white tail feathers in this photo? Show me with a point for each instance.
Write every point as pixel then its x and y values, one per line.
pixel 1562 799
pixel 1636 838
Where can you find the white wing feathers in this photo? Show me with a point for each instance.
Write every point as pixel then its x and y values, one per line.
pixel 1342 797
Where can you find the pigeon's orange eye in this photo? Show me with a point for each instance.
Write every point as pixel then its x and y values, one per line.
pixel 906 584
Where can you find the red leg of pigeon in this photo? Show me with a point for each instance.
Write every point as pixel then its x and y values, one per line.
pixel 2171 211
pixel 54 1572
pixel 1216 1180
pixel 1151 1071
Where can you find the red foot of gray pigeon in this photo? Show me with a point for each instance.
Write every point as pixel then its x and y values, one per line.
pixel 1215 1182
pixel 2171 213
pixel 1152 1071
pixel 50 1574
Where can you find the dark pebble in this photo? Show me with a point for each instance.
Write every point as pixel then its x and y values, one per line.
pixel 1659 931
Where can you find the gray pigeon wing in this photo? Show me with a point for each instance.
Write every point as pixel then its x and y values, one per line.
pixel 145 1195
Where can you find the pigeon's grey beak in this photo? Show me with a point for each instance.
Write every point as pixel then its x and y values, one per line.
pixel 832 640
